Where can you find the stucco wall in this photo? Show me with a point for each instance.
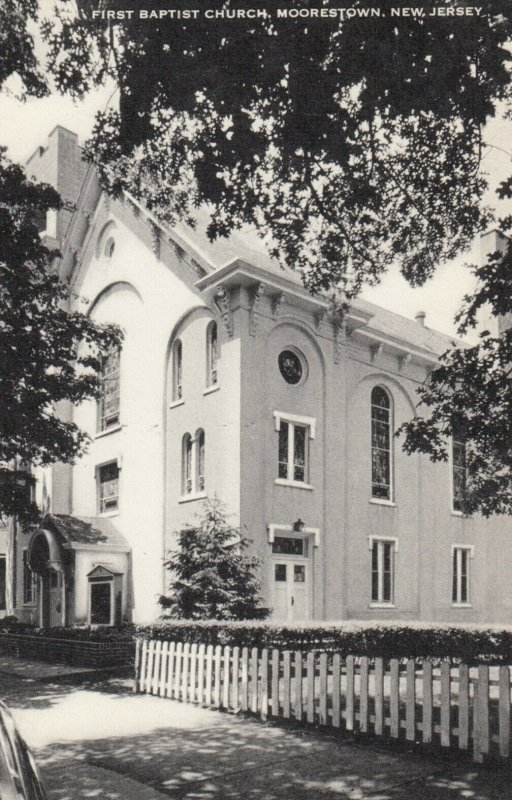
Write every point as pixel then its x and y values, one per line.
pixel 216 410
pixel 138 291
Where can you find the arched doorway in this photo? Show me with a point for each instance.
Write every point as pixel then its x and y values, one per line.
pixel 45 562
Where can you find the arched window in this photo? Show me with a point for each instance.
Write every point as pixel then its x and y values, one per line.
pixel 200 460
pixel 211 354
pixel 177 370
pixel 186 464
pixel 382 466
pixel 459 469
pixel 108 406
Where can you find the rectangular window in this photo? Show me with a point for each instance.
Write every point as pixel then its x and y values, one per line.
pixel 108 487
pixel 383 571
pixel 29 581
pixel 109 400
pixel 293 441
pixel 288 546
pixel 460 575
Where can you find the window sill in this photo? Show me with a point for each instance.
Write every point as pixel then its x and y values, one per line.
pixel 382 605
pixel 462 605
pixel 293 484
pixel 104 514
pixel 176 403
pixel 376 502
pixel 189 498
pixel 210 389
pixel 108 431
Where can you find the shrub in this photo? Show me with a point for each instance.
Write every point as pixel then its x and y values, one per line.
pixel 460 643
pixel 212 575
pixel 123 633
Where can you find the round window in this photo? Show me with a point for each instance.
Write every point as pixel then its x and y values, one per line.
pixel 290 366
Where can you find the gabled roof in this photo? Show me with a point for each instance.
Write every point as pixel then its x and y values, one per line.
pixel 408 330
pixel 245 249
pixel 97 531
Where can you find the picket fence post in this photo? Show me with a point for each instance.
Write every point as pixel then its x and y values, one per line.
pixel 314 687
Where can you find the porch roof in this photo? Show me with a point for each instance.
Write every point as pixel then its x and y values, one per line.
pixel 83 532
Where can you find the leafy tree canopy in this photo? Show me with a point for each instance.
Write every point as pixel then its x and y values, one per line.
pixel 350 146
pixel 47 353
pixel 212 576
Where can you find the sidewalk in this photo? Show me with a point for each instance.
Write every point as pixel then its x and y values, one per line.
pixel 100 740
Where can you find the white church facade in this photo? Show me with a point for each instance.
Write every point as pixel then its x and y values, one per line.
pixel 233 380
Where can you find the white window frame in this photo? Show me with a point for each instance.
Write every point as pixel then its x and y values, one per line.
pixel 380 541
pixel 295 420
pixel 112 609
pixel 103 426
pixel 385 501
pixel 455 511
pixel 195 492
pixel 113 511
pixel 212 356
pixel 177 374
pixel 456 564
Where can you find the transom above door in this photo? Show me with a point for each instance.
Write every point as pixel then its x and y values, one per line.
pixel 290 579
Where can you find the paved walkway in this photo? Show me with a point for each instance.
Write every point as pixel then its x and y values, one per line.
pixel 98 740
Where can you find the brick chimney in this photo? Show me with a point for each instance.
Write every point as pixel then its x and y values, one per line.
pixel 59 163
pixel 491 242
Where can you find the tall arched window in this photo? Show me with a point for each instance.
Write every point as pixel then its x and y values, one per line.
pixel 186 464
pixel 382 466
pixel 211 354
pixel 200 460
pixel 177 370
pixel 459 469
pixel 108 406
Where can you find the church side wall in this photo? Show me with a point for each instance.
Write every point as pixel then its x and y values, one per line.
pixel 137 290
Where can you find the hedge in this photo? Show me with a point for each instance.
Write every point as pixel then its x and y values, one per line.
pixel 84 634
pixel 468 644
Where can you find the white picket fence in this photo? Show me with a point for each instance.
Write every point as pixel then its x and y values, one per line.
pixel 458 707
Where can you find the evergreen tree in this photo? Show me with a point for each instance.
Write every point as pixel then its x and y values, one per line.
pixel 212 575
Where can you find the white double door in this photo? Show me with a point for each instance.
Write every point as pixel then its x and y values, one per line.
pixel 291 585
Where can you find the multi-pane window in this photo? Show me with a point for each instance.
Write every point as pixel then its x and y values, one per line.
pixel 293 442
pixel 459 469
pixel 177 370
pixel 29 581
pixel 186 471
pixel 109 400
pixel 200 456
pixel 381 444
pixel 108 487
pixel 211 354
pixel 460 575
pixel 382 571
pixel 193 454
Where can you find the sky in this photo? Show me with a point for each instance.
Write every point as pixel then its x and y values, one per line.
pixel 24 126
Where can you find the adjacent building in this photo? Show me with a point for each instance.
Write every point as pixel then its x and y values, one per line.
pixel 233 380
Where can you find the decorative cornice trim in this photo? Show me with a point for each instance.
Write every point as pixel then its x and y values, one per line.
pixel 376 351
pixel 223 302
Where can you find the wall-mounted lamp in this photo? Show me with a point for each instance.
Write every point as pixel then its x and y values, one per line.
pixel 299 526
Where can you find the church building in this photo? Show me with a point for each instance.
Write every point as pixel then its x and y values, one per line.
pixel 234 381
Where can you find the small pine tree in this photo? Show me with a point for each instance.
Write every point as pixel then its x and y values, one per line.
pixel 212 576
